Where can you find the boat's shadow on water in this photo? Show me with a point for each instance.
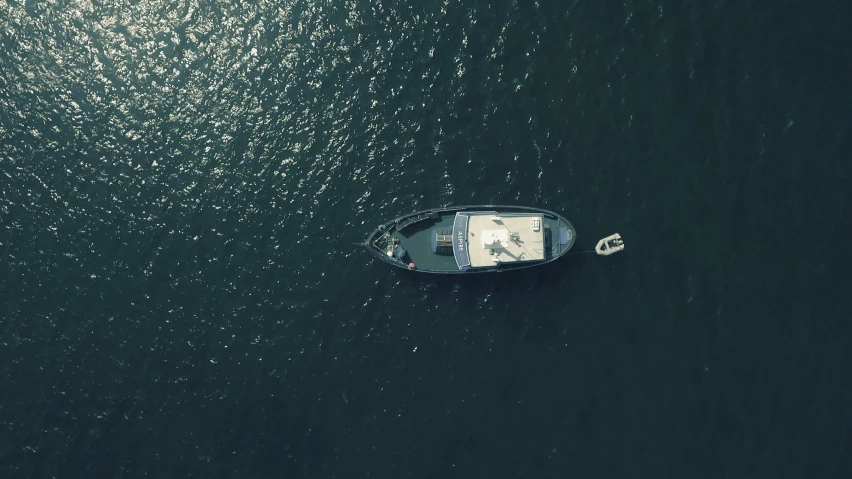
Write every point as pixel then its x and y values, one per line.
pixel 530 297
pixel 545 281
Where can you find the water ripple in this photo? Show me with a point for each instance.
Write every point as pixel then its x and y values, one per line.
pixel 182 182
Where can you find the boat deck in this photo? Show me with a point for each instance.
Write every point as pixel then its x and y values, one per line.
pixel 417 242
pixel 493 239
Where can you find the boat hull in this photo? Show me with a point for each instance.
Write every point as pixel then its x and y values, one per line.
pixel 415 233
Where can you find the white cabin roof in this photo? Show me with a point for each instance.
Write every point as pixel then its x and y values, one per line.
pixel 494 239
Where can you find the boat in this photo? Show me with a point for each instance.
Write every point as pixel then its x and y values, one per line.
pixel 609 245
pixel 472 239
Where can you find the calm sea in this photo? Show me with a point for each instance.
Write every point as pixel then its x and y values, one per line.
pixel 182 184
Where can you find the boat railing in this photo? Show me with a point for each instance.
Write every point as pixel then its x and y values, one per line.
pixel 415 219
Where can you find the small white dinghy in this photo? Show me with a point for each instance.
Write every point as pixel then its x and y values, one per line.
pixel 609 245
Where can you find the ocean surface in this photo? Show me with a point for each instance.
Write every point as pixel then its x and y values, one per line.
pixel 183 184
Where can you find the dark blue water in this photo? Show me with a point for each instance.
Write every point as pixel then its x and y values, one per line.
pixel 182 184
